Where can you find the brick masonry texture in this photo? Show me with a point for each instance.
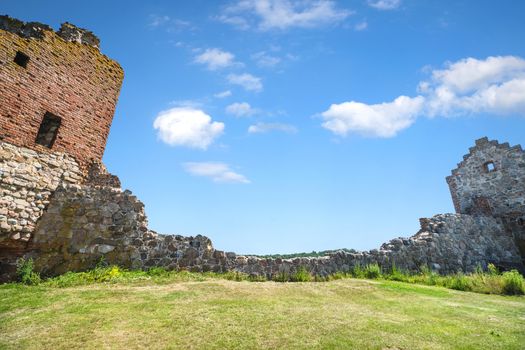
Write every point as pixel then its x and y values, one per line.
pixel 63 209
pixel 66 75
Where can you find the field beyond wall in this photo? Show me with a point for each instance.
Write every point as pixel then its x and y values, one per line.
pixel 222 314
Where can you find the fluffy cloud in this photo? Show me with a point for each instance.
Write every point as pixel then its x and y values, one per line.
pixel 218 172
pixel 247 81
pixel 260 128
pixel 384 4
pixel 223 94
pixel 215 59
pixel 282 14
pixel 382 120
pixel 495 85
pixel 185 126
pixel 240 109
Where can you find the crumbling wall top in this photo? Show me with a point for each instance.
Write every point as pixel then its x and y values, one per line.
pixel 482 143
pixel 68 31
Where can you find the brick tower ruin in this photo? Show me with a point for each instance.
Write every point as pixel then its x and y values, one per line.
pixel 58 91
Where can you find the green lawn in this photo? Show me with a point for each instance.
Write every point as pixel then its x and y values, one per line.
pixel 222 314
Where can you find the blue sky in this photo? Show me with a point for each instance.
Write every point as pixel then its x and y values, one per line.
pixel 288 126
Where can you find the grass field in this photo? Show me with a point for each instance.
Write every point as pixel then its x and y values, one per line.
pixel 219 314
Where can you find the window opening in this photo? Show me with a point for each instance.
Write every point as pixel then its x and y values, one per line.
pixel 21 59
pixel 489 167
pixel 48 130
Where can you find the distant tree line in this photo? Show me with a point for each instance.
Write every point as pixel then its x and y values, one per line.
pixel 313 253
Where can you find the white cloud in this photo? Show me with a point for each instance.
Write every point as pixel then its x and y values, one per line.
pixel 495 85
pixel 361 26
pixel 218 172
pixel 260 128
pixel 264 60
pixel 223 94
pixel 185 126
pixel 247 81
pixel 384 4
pixel 381 120
pixel 282 14
pixel 240 109
pixel 215 59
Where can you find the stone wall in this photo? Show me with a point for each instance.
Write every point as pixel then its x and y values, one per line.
pixel 446 243
pixel 27 181
pixel 490 181
pixel 66 76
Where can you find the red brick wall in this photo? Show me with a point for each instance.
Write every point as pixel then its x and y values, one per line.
pixel 71 80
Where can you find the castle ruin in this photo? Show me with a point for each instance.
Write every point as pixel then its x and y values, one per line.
pixel 60 206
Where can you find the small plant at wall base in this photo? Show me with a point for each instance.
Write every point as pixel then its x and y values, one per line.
pixel 25 272
pixel 513 283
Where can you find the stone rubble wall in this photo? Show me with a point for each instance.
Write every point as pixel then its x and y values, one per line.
pixel 446 243
pixel 67 220
pixel 27 181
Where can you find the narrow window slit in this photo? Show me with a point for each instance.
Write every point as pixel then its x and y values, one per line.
pixel 47 133
pixel 21 59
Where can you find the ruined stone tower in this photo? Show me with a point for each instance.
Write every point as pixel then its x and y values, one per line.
pixel 58 91
pixel 490 181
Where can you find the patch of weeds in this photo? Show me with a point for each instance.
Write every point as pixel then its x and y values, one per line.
pixel 358 271
pixel 281 277
pixel 513 283
pixel 459 282
pixel 373 271
pixel 25 272
pixel 492 270
pixel 397 275
pixel 157 272
pixel 235 276
pixel 301 275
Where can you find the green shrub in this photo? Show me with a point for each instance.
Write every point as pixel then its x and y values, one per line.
pixel 459 282
pixel 358 271
pixel 513 283
pixel 25 272
pixel 373 271
pixel 301 275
